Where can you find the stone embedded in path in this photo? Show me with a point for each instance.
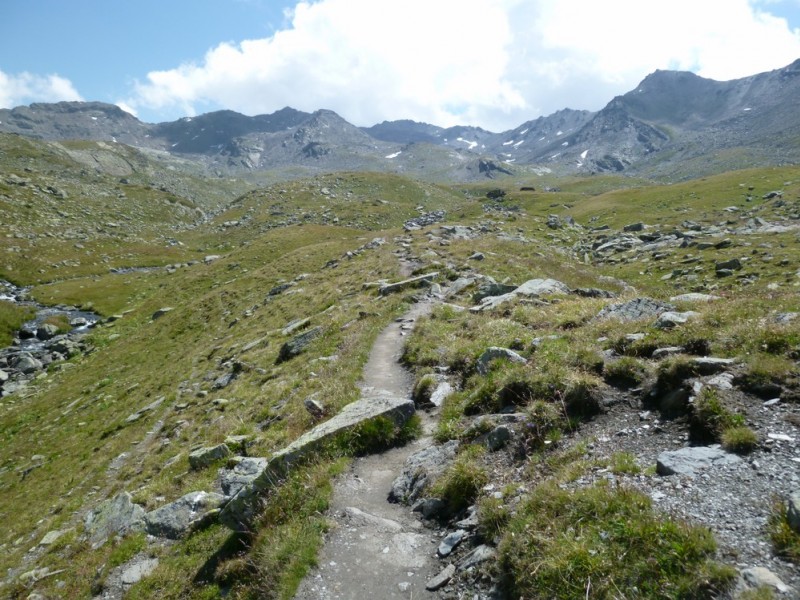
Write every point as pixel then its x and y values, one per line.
pixel 242 508
pixel 189 512
pixel 450 542
pixel 493 353
pixel 442 579
pixel 420 469
pixel 361 518
pixel 688 461
pixel 481 554
pixel 117 515
pixel 298 344
pixel 413 282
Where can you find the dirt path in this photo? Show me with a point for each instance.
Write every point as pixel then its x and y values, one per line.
pixel 376 549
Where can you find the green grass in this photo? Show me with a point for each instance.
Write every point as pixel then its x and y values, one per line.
pixel 12 316
pixel 785 540
pixel 605 543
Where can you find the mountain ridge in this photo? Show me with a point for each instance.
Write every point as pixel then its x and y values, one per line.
pixel 670 116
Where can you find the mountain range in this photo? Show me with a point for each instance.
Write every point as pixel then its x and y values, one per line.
pixel 673 124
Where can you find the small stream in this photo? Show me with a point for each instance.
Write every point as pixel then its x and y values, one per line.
pixel 35 345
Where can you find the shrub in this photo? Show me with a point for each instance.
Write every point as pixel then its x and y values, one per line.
pixel 741 440
pixel 710 417
pixel 785 540
pixel 626 372
pixel 462 481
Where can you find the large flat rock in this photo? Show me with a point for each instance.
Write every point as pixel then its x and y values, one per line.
pixel 239 512
pixel 690 460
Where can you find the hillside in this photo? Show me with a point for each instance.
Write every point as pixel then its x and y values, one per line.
pixel 194 333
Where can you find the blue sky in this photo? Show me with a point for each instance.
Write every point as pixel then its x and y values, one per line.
pixel 493 63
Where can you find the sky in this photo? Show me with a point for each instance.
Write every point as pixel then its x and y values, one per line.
pixel 488 63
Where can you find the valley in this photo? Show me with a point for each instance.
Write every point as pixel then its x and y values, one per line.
pixel 586 381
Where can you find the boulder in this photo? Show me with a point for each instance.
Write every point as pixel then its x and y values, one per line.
pixel 761 577
pixel 298 344
pixel 440 394
pixel 241 509
pixel 734 264
pixel 26 363
pixel 533 288
pixel 185 514
pixel 46 331
pixel 688 461
pixel 203 457
pixel 694 297
pixel 493 353
pixel 421 469
pixel 116 516
pixel 243 472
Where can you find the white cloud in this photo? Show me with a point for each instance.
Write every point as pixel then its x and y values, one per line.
pixel 24 88
pixel 494 63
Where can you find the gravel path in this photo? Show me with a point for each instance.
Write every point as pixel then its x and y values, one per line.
pixel 376 549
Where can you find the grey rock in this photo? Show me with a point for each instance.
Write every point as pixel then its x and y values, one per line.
pixel 634 309
pixel 421 468
pixel 660 353
pixel 185 514
pixel 3 376
pixel 481 554
pixel 413 282
pixel 442 579
pixel 46 331
pixel 688 461
pixel 298 344
pixel 533 288
pixel 498 437
pixel 793 510
pixel 440 394
pixel 138 571
pixel 242 507
pixel 634 227
pixel 709 365
pixel 116 516
pixel 314 407
pixel 295 325
pixel 238 443
pixel 243 472
pixel 52 536
pixel 492 288
pixel 203 457
pixel 450 542
pixel 143 411
pixel 756 577
pixel 734 264
pixel 26 363
pixel 224 380
pixel 358 517
pixel 694 297
pixel 670 319
pixel 476 256
pixel 161 312
pixel 493 353
pixel 431 508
